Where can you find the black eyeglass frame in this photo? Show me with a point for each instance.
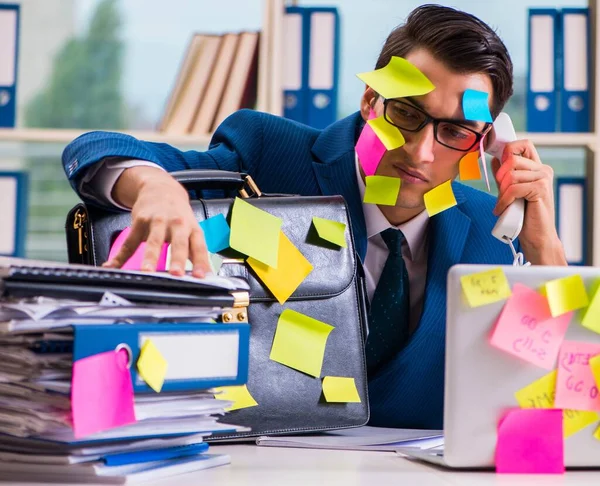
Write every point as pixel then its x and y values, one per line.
pixel 436 121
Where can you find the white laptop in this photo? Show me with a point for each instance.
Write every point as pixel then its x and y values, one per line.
pixel 481 380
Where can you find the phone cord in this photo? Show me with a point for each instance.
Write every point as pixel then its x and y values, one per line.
pixel 519 259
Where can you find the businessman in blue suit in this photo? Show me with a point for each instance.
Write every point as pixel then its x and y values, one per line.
pixel 406 254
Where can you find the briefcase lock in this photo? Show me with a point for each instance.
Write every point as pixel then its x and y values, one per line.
pixel 239 311
pixel 250 189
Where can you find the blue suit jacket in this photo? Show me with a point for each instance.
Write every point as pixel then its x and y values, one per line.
pixel 287 157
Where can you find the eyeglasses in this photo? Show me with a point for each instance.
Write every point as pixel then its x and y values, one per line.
pixel 448 133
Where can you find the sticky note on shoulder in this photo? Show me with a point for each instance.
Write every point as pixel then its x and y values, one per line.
pixel 339 389
pixel 522 431
pixel 239 395
pixel 152 366
pixel 439 199
pixel 486 287
pixel 332 231
pixel 255 232
pixel 566 294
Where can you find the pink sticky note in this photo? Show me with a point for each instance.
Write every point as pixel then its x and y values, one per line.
pixel 101 393
pixel 530 441
pixel 135 261
pixel 526 328
pixel 575 385
pixel 369 148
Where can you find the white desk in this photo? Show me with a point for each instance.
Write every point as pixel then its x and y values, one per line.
pixel 269 466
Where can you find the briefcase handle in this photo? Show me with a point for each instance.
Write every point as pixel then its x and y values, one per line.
pixel 199 180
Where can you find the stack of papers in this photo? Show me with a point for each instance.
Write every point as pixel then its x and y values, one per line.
pixel 163 435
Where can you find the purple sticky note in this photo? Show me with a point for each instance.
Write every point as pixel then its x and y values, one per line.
pixel 135 261
pixel 101 393
pixel 370 150
pixel 530 441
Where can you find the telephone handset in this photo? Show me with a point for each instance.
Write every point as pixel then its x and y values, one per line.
pixel 510 222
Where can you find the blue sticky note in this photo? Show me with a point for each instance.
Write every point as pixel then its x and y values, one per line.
pixel 216 233
pixel 475 106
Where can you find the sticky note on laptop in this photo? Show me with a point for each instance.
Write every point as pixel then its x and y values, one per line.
pixel 591 316
pixel 527 330
pixel 575 384
pixel 540 394
pixel 566 294
pixel 486 287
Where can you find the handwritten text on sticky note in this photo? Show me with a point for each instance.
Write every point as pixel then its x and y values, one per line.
pixel 239 395
pixel 397 79
pixel 292 269
pixel 439 199
pixel 485 287
pixel 216 233
pixel 566 294
pixel 255 232
pixel 541 394
pixel 332 231
pixel 338 389
pixel 300 342
pixel 101 393
pixel 526 328
pixel 382 190
pixel 152 366
pixel 530 441
pixel 575 384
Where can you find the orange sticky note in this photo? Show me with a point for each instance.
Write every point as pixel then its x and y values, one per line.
pixel 526 328
pixel 292 269
pixel 575 384
pixel 439 199
pixel 468 167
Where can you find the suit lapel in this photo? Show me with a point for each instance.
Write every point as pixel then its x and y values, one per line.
pixel 335 171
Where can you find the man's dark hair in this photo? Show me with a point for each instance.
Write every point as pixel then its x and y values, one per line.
pixel 459 40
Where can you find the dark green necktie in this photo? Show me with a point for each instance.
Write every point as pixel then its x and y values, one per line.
pixel 388 315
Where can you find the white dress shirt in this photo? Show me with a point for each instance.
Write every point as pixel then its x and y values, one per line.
pixel 98 184
pixel 414 251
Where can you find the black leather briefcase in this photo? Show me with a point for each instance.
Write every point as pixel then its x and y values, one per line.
pixel 289 401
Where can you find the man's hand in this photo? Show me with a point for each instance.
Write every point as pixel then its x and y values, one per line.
pixel 523 175
pixel 161 212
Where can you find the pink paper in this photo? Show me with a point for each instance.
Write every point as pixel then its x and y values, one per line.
pixel 575 385
pixel 526 328
pixel 483 162
pixel 530 441
pixel 369 148
pixel 135 261
pixel 101 393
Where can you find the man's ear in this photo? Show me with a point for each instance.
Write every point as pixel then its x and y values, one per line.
pixel 367 102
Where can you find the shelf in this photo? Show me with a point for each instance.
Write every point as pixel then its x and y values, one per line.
pixel 560 139
pixel 44 135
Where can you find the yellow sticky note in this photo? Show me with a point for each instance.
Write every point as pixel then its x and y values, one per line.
pixel 338 389
pixel 292 269
pixel 332 231
pixel 597 434
pixel 439 199
pixel 390 136
pixel 566 294
pixel 152 366
pixel 595 366
pixel 300 342
pixel 398 79
pixel 468 167
pixel 382 190
pixel 591 315
pixel 540 394
pixel 255 232
pixel 485 287
pixel 239 395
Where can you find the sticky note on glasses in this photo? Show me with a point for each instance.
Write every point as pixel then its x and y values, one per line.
pixel 475 106
pixel 484 288
pixel 468 167
pixel 439 199
pixel 540 394
pixel 216 233
pixel 566 294
pixel 255 232
pixel 382 190
pixel 239 395
pixel 390 136
pixel 332 231
pixel 339 389
pixel 369 149
pixel 399 78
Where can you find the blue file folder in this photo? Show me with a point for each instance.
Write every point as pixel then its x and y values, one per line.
pixel 9 53
pixel 199 356
pixel 575 107
pixel 14 188
pixel 571 217
pixel 295 64
pixel 542 54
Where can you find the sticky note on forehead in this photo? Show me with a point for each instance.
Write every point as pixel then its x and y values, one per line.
pixel 399 78
pixel 475 106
